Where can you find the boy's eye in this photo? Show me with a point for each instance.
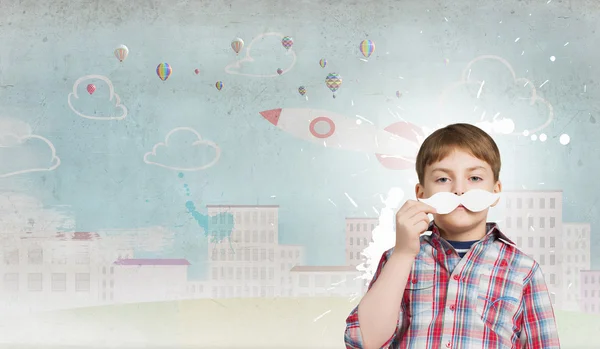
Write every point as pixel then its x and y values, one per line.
pixel 442 180
pixel 476 179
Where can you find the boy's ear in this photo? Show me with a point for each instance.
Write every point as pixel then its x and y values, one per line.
pixel 419 191
pixel 497 189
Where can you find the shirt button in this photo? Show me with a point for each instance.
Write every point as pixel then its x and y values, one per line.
pixel 448 252
pixel 452 307
pixel 448 345
pixel 414 281
pixel 456 277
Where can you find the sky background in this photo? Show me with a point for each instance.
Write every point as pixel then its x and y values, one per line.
pixel 423 50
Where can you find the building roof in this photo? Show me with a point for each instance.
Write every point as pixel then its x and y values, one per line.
pixel 325 268
pixel 133 261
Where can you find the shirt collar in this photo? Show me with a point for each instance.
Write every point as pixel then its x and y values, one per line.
pixel 493 233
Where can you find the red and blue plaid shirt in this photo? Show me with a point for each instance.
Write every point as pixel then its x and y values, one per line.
pixel 493 297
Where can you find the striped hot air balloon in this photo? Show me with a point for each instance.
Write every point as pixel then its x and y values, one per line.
pixel 164 71
pixel 367 47
pixel 237 44
pixel 121 52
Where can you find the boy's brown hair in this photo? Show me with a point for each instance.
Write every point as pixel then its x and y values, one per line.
pixel 465 137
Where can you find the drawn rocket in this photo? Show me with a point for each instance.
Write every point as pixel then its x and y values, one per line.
pixel 396 146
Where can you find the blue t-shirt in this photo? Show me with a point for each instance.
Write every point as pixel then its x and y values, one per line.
pixel 462 247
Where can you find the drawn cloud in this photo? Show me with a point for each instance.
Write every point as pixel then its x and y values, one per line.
pixel 490 92
pixel 117 113
pixel 268 47
pixel 22 152
pixel 184 150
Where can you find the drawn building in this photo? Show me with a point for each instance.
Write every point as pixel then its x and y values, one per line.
pixel 576 256
pixel 149 280
pixel 250 263
pixel 590 291
pixel 45 272
pixel 533 220
pixel 358 236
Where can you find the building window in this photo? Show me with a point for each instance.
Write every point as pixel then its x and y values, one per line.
pixel 357 255
pixel 263 254
pixel 11 282
pixel 350 241
pixel 519 241
pixel 357 241
pixel 519 222
pixel 552 259
pixel 530 203
pixel 530 242
pixel 254 236
pixel 542 259
pixel 542 241
pixel 271 236
pixel 365 227
pixel 59 282
pixel 508 222
pixel 519 203
pixel 542 222
pixel 82 282
pixel 35 255
pixel 542 203
pixel 263 217
pixel 350 227
pixel 530 223
pixel 508 203
pixel 263 236
pixel 552 222
pixel 552 203
pixel 34 282
pixel 303 281
pixel 552 242
pixel 552 277
pixel 11 256
pixel 83 256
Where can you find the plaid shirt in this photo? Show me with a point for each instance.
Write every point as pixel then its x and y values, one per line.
pixel 494 297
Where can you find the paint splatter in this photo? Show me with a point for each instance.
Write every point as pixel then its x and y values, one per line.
pixel 218 229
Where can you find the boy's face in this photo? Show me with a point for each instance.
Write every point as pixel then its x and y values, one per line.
pixel 458 173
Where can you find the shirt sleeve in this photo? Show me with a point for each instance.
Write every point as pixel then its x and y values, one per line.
pixel 539 325
pixel 352 336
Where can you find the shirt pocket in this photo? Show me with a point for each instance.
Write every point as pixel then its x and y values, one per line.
pixel 420 294
pixel 499 297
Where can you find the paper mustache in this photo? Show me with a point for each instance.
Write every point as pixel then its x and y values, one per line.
pixel 475 200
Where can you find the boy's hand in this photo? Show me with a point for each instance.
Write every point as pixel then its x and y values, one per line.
pixel 411 222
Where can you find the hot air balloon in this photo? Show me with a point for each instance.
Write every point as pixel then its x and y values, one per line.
pixel 237 44
pixel 121 52
pixel 302 91
pixel 398 94
pixel 287 42
pixel 163 71
pixel 367 47
pixel 333 81
pixel 219 85
pixel 323 62
pixel 197 71
pixel 91 88
pixel 279 71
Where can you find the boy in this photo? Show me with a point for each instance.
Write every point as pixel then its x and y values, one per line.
pixel 464 286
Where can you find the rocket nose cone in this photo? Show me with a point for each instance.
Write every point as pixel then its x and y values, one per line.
pixel 271 115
